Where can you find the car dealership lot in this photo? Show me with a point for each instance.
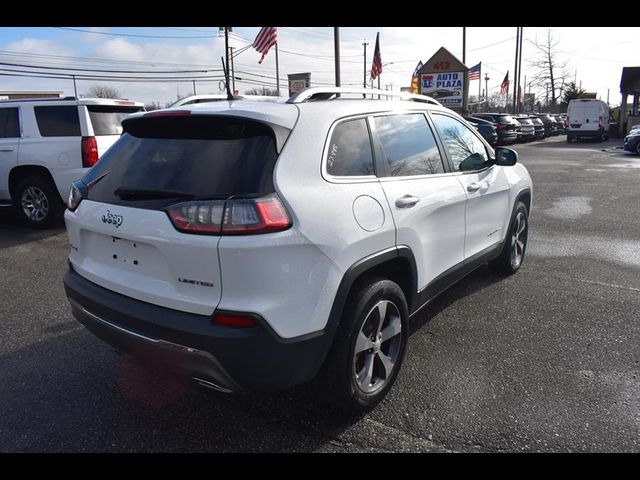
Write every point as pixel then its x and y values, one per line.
pixel 545 360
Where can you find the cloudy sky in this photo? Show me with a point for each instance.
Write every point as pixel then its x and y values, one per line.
pixel 595 56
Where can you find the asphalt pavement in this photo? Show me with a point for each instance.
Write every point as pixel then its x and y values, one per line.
pixel 545 360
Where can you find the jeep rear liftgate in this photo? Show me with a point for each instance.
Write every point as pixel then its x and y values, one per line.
pixel 151 212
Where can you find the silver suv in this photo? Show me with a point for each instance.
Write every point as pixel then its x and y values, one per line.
pixel 260 245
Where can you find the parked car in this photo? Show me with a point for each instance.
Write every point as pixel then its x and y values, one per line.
pixel 538 126
pixel 560 122
pixel 45 144
pixel 486 128
pixel 588 118
pixel 203 239
pixel 550 125
pixel 632 141
pixel 507 127
pixel 528 129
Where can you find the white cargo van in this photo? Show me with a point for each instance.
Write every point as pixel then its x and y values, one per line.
pixel 588 118
pixel 45 144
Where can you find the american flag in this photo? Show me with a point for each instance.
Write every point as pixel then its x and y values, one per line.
pixel 474 72
pixel 376 66
pixel 267 38
pixel 505 84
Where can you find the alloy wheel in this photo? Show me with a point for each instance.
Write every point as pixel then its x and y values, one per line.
pixel 35 204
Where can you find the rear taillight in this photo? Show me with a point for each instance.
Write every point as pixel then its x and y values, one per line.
pixel 233 320
pixel 89 151
pixel 499 126
pixel 600 121
pixel 230 217
pixel 77 192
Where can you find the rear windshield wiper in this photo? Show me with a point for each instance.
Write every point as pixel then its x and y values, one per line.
pixel 130 193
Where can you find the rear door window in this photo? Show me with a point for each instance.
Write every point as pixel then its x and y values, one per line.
pixel 58 120
pixel 349 152
pixel 409 145
pixel 106 119
pixel 9 123
pixel 193 156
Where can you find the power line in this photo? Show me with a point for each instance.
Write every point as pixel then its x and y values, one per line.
pixel 46 67
pixel 131 34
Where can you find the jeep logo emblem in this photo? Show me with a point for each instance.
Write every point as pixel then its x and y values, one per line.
pixel 113 219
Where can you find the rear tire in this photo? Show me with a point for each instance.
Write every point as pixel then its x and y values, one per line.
pixel 512 255
pixel 368 347
pixel 38 203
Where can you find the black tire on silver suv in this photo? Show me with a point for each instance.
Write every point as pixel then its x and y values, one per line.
pixel 512 255
pixel 37 202
pixel 369 346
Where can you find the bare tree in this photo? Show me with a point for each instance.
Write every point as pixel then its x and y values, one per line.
pixel 271 92
pixel 550 70
pixel 102 91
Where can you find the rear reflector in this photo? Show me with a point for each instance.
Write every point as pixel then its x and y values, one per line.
pixel 233 320
pixel 89 151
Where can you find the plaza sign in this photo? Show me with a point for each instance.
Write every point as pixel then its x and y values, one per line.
pixel 446 87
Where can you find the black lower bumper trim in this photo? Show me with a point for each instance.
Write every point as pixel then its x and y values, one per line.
pixel 253 359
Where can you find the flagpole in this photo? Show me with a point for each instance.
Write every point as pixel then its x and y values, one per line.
pixel 336 46
pixel 479 85
pixel 277 73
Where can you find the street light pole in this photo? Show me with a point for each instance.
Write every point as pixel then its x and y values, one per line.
pixel 486 90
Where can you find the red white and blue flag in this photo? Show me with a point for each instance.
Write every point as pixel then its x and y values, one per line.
pixel 267 38
pixel 474 72
pixel 376 66
pixel 504 86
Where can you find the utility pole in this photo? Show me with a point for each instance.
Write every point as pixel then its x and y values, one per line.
pixel 226 51
pixel 464 45
pixel 515 71
pixel 233 73
pixel 194 86
pixel 75 88
pixel 486 90
pixel 364 78
pixel 520 69
pixel 277 73
pixel 336 46
pixel 607 96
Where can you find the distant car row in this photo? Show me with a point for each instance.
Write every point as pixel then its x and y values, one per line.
pixel 503 128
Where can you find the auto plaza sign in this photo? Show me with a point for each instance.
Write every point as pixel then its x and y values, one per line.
pixel 446 87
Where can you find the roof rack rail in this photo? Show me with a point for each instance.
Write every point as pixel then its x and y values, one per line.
pixel 326 93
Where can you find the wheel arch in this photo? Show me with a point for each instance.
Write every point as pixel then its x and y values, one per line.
pixel 21 172
pixel 524 196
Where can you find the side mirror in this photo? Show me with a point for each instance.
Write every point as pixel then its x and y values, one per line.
pixel 506 156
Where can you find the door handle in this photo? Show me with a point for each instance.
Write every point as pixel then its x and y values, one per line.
pixel 473 187
pixel 7 149
pixel 407 201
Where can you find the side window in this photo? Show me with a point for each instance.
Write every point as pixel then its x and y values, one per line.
pixel 408 144
pixel 350 149
pixel 9 123
pixel 58 121
pixel 466 150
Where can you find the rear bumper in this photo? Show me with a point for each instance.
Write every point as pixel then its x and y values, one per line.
pixel 585 133
pixel 232 359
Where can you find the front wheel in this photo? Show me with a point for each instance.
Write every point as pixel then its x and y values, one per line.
pixel 512 255
pixel 369 346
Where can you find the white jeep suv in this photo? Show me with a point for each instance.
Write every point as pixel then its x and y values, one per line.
pixel 259 245
pixel 45 144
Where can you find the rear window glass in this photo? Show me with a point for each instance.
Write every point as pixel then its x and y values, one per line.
pixel 504 118
pixel 9 123
pixel 106 118
pixel 202 156
pixel 58 120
